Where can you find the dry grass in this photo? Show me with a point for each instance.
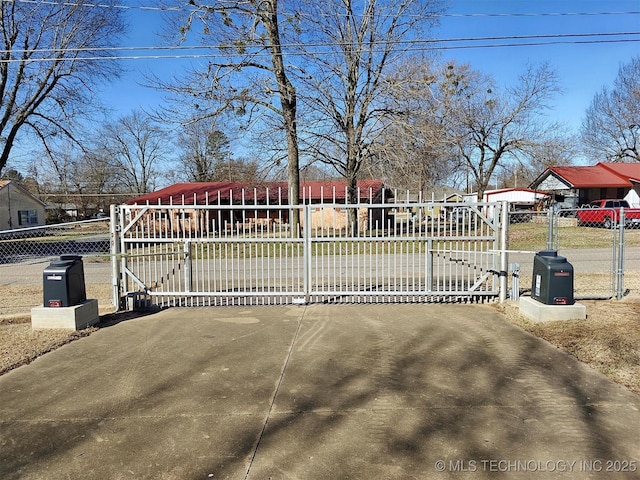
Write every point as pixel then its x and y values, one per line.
pixel 608 340
pixel 19 344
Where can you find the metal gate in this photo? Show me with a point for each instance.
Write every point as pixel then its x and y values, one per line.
pixel 215 254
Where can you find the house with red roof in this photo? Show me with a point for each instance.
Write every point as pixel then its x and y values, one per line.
pixel 323 195
pixel 574 186
pixel 267 193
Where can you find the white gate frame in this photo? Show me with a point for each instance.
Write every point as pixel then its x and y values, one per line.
pixel 245 254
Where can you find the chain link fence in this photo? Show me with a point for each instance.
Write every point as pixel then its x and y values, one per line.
pixel 603 245
pixel 605 256
pixel 25 253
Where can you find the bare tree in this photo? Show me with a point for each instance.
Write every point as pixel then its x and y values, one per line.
pixel 203 146
pixel 249 74
pixel 206 156
pixel 353 46
pixel 13 175
pixel 101 179
pixel 47 77
pixel 492 127
pixel 137 147
pixel 237 170
pixel 57 170
pixel 559 147
pixel 415 151
pixel 411 156
pixel 71 175
pixel 453 123
pixel 611 128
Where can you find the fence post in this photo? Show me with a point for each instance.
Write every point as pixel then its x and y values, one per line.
pixel 550 232
pixel 306 249
pixel 429 285
pixel 504 246
pixel 620 272
pixel 114 227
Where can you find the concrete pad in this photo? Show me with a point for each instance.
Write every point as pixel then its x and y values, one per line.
pixel 314 392
pixel 539 312
pixel 77 317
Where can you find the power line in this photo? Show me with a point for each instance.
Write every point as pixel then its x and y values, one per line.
pixel 432 44
pixel 541 14
pixel 435 48
pixel 435 15
pixel 537 44
pixel 298 45
pixel 96 5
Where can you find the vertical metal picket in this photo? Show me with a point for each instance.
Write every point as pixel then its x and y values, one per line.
pixel 620 265
pixel 114 228
pixel 230 253
pixel 504 255
pixel 307 253
pixel 550 218
pixel 188 267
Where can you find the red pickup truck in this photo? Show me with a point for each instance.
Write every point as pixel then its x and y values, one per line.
pixel 607 214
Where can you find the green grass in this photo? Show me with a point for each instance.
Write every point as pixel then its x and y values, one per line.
pixel 280 249
pixel 528 236
pixel 533 236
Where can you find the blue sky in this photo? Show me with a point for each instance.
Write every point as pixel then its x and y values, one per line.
pixel 583 69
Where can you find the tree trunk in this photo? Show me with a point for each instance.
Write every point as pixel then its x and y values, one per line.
pixel 352 199
pixel 288 102
pixel 293 171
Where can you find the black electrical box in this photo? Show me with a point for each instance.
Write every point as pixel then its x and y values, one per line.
pixel 63 282
pixel 552 279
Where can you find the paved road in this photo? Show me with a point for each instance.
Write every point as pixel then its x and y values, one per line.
pixel 30 272
pixel 317 392
pixel 593 260
pixel 584 260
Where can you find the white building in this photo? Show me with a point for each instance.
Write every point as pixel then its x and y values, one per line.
pixel 19 208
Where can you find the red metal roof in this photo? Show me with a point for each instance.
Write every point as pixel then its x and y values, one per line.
pixel 630 171
pixel 603 175
pixel 201 193
pixel 330 190
pixel 191 193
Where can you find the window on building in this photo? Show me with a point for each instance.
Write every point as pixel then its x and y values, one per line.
pixel 27 217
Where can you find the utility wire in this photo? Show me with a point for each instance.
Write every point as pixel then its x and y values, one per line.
pixel 419 45
pixel 194 8
pixel 95 5
pixel 439 48
pixel 308 45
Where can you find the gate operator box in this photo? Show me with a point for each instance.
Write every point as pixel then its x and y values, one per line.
pixel 552 279
pixel 64 282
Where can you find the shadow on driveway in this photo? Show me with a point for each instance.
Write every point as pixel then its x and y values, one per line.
pixel 342 391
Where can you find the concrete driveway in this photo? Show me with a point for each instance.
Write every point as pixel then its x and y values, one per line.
pixel 316 392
